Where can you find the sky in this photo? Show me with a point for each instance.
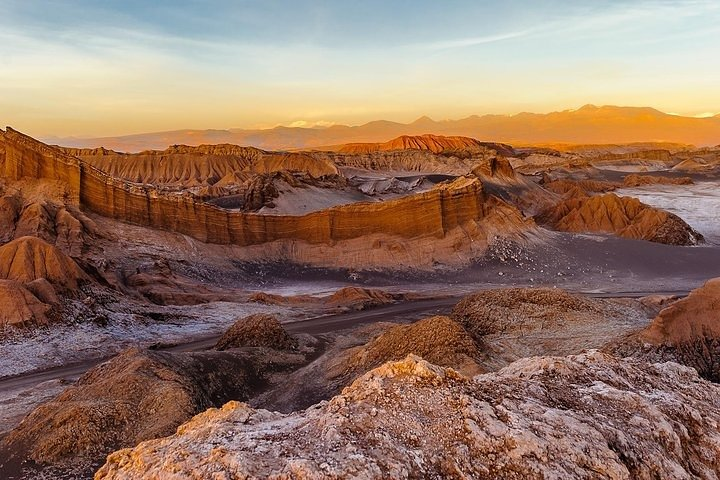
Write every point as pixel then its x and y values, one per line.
pixel 95 68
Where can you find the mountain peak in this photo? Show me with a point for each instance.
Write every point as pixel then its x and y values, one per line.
pixel 588 107
pixel 424 120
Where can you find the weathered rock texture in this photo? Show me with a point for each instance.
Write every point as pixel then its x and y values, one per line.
pixel 359 298
pixel 635 180
pixel 517 309
pixel 259 330
pixel 432 143
pixel 564 186
pixel 203 165
pixel 19 307
pixel 585 416
pixel 440 340
pixel 461 204
pixel 687 332
pixel 29 258
pixel 136 396
pixel 623 216
pixel 26 157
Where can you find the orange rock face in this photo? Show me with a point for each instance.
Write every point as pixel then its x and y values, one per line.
pixel 29 258
pixel 623 216
pixel 431 213
pixel 433 143
pixel 695 317
pixel 19 307
pixel 687 332
pixel 198 166
pixel 640 180
pixel 26 157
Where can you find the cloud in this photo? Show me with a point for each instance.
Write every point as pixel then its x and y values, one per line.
pixel 473 41
pixel 311 124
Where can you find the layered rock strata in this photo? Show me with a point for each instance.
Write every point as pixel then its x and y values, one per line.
pixel 431 213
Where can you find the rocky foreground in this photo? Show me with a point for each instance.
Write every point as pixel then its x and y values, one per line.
pixel 582 416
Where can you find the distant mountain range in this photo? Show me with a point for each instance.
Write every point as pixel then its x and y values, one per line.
pixel 587 125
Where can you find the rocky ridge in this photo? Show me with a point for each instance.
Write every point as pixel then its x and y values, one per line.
pixel 543 417
pixel 623 216
pixel 687 331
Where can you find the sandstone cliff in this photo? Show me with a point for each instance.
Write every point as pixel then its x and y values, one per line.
pixel 544 417
pixel 432 214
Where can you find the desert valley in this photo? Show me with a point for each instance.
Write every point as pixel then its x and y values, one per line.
pixel 304 240
pixel 516 301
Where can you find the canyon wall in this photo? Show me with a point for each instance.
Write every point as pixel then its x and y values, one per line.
pixel 434 212
pixel 25 157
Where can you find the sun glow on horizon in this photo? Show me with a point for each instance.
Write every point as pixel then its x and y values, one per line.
pixel 81 68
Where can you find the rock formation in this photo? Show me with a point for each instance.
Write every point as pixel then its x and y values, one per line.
pixel 259 330
pixel 519 309
pixel 692 165
pixel 687 331
pixel 458 206
pixel 204 165
pixel 564 186
pixel 439 339
pixel 635 180
pixel 543 417
pixel 19 307
pixel 359 298
pixel 623 216
pixel 136 396
pixel 29 258
pixel 432 143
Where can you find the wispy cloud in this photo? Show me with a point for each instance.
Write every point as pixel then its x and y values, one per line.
pixel 474 41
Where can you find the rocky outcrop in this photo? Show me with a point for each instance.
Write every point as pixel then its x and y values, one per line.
pixel 259 330
pixel 160 284
pixel 434 212
pixel 519 309
pixel 424 153
pixel 29 258
pixel 564 186
pixel 186 166
pixel 584 416
pixel 20 308
pixel 635 180
pixel 687 331
pixel 458 213
pixel 359 298
pixel 692 165
pixel 25 157
pixel 432 143
pixel 10 207
pixel 439 339
pixel 623 216
pixel 136 396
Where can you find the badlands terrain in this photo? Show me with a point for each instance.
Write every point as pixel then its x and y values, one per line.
pixel 411 306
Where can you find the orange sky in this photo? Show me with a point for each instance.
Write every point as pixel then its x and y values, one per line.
pixel 81 69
